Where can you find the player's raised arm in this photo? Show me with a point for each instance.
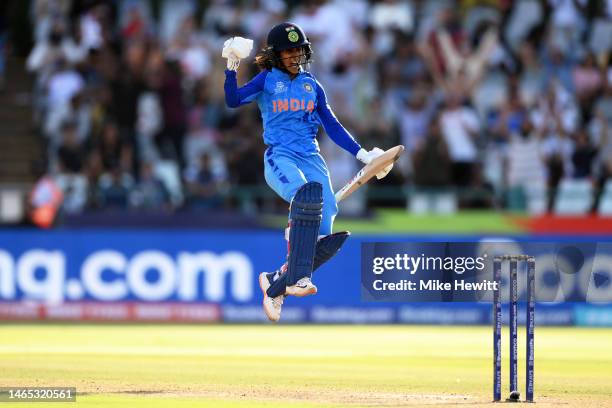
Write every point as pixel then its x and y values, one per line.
pixel 235 49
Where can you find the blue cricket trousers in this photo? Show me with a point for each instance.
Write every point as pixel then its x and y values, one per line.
pixel 286 171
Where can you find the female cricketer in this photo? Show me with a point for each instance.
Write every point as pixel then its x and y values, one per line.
pixel 293 105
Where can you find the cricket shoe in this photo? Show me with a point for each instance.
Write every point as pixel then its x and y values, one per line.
pixel 303 287
pixel 272 305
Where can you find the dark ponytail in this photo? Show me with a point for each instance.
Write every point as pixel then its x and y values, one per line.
pixel 267 59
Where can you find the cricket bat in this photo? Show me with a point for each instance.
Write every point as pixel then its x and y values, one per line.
pixel 370 170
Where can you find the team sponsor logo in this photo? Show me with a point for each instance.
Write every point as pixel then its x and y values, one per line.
pixel 110 275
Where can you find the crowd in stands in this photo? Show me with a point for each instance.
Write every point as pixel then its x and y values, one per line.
pixel 494 96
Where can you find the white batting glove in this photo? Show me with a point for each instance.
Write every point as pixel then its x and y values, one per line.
pixel 233 62
pixel 366 158
pixel 235 49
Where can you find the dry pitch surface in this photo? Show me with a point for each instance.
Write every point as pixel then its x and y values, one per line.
pixel 297 366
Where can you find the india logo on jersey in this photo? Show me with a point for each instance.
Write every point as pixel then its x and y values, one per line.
pixel 282 105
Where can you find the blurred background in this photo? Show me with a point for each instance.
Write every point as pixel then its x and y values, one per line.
pixel 117 107
pixel 115 139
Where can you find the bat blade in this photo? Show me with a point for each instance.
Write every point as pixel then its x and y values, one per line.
pixel 368 171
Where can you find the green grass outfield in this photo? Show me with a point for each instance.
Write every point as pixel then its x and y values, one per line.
pixel 296 366
pixel 398 221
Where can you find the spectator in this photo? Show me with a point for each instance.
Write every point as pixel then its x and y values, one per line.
pixel 555 117
pixel 221 19
pixel 602 138
pixel 525 17
pixel 259 15
pixel 460 126
pixel 45 200
pixel 558 66
pixel 149 193
pixel 414 120
pixel 389 17
pixel 114 188
pixel 244 156
pixel 463 62
pixel 392 15
pixel 203 123
pixel 127 85
pixel 583 157
pixel 525 164
pixel 69 179
pixel 410 65
pixel 588 81
pixel 76 111
pixel 203 135
pixel 63 84
pixel 447 25
pixel 203 185
pixel 170 139
pixel 149 116
pixel 113 151
pixel 587 78
pixel 532 74
pixel 135 20
pixel 329 29
pixel 187 47
pixel 57 46
pixel 481 193
pixel 603 105
pixel 432 162
pixel 377 126
pixel 70 153
pixel 172 13
pixel 600 39
pixel 512 114
pixel 74 187
pixel 92 28
pixel 566 23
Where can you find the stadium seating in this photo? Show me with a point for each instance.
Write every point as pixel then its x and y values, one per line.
pixel 605 201
pixel 536 199
pixel 438 202
pixel 574 197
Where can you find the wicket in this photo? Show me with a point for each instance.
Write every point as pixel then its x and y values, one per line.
pixel 529 323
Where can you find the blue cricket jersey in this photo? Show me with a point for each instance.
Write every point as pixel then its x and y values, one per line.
pixel 291 110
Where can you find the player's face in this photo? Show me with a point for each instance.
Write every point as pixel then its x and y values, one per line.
pixel 291 58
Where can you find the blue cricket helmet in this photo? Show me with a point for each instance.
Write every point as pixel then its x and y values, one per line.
pixel 282 37
pixel 287 35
